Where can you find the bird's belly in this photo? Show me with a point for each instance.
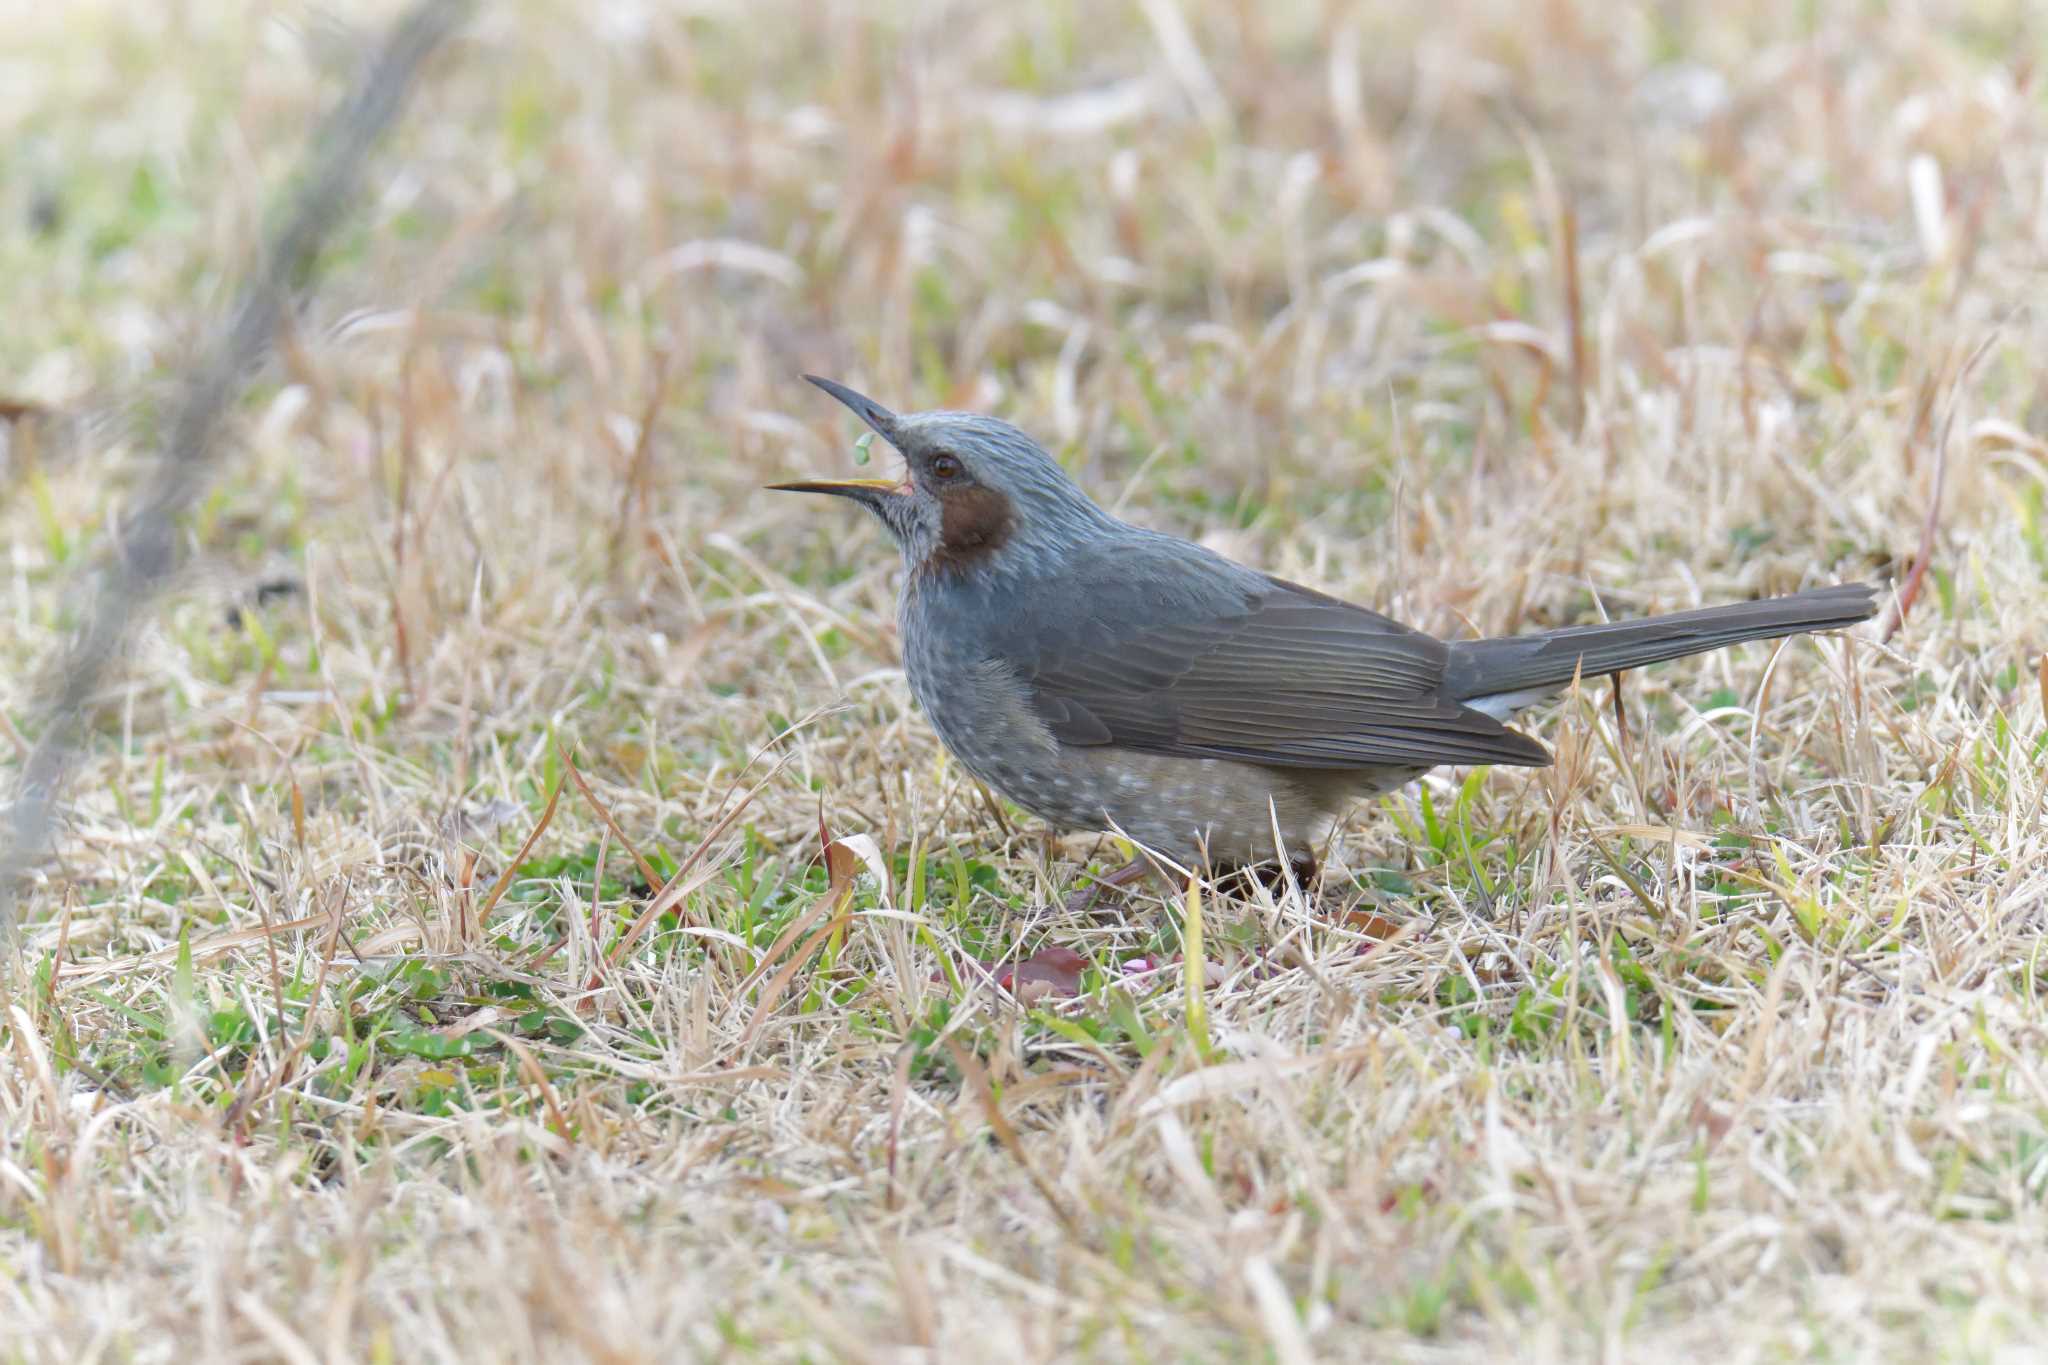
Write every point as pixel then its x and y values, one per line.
pixel 985 723
pixel 1185 808
pixel 1182 807
pixel 1232 813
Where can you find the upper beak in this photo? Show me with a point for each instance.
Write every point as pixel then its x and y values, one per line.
pixel 872 493
pixel 864 407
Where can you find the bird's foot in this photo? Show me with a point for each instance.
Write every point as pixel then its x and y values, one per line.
pixel 1242 879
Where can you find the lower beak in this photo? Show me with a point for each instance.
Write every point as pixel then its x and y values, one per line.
pixel 871 492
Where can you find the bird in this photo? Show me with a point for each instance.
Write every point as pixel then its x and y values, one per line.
pixel 1108 677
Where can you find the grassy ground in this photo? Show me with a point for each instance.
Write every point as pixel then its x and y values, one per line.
pixel 329 1036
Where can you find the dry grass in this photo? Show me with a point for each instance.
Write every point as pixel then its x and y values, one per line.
pixel 1723 1035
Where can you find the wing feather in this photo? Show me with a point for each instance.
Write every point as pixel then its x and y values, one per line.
pixel 1276 674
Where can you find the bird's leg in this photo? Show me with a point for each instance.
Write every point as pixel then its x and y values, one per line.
pixel 1117 880
pixel 1239 878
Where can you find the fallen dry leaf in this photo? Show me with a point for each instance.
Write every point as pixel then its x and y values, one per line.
pixel 1048 972
pixel 1371 925
pixel 1710 1121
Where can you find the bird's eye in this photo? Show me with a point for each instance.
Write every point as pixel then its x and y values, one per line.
pixel 944 466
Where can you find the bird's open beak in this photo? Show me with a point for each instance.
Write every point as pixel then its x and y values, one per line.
pixel 869 492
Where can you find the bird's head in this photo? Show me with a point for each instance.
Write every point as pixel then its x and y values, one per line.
pixel 976 494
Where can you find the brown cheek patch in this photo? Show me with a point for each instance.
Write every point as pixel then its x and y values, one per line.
pixel 974 524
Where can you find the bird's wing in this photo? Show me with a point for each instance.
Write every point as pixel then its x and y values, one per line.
pixel 1271 673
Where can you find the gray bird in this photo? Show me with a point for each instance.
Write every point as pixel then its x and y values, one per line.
pixel 1102 675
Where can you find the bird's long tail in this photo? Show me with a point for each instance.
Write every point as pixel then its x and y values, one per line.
pixel 1484 669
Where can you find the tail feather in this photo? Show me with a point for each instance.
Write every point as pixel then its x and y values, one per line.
pixel 1480 669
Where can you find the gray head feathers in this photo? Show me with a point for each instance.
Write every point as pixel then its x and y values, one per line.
pixel 973 485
